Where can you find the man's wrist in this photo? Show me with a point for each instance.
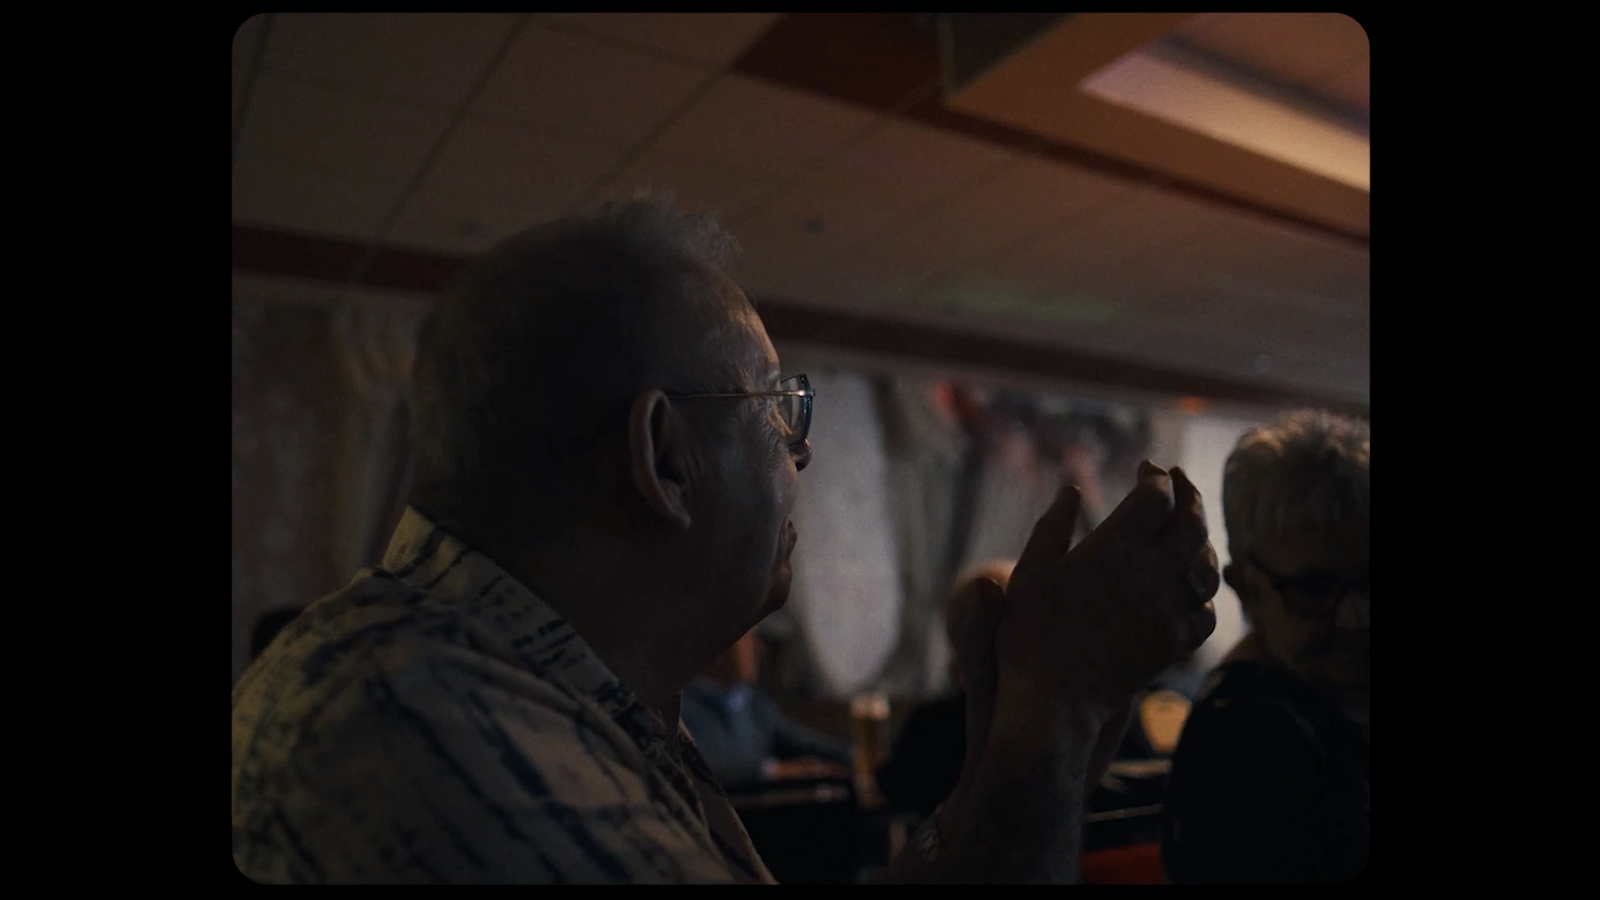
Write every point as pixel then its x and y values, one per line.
pixel 1030 713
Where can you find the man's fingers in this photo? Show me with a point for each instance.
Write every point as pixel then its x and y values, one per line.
pixel 1204 576
pixel 988 607
pixel 1052 534
pixel 1143 512
pixel 1194 627
pixel 1184 534
pixel 982 621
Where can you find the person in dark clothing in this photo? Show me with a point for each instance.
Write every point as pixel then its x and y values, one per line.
pixel 1270 781
pixel 743 735
pixel 925 761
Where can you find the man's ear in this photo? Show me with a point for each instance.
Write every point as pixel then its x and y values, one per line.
pixel 656 453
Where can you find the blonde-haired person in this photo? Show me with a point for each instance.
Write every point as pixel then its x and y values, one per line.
pixel 1270 780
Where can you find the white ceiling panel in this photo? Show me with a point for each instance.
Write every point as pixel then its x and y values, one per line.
pixel 336 132
pixel 912 165
pixel 744 122
pixel 496 178
pixel 837 207
pixel 707 39
pixel 873 185
pixel 1104 242
pixel 426 58
pixel 860 283
pixel 729 190
pixel 1242 246
pixel 284 195
pixel 798 234
pixel 978 222
pixel 1251 256
pixel 563 81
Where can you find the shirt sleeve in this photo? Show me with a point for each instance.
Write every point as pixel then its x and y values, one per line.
pixel 1245 801
pixel 441 774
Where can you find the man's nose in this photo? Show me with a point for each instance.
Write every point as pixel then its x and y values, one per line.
pixel 802 455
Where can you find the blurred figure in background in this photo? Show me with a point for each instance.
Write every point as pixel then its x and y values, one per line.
pixel 743 735
pixel 1270 780
pixel 925 763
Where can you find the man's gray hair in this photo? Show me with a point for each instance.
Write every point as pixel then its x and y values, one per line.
pixel 1308 475
pixel 655 220
pixel 528 360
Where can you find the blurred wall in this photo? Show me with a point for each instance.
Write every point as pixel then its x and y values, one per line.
pixel 847 590
pixel 319 439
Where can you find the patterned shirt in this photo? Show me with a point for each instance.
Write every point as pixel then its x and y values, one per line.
pixel 436 722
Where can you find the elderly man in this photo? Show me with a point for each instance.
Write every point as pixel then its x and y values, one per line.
pixel 1270 778
pixel 606 462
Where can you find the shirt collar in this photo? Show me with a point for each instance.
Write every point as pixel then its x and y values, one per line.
pixel 421 553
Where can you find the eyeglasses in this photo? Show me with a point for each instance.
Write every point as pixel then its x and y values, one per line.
pixel 794 405
pixel 1313 596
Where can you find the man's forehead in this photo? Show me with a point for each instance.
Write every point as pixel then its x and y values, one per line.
pixel 739 334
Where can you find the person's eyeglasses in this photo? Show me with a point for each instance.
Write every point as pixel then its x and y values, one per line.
pixel 1313 596
pixel 794 405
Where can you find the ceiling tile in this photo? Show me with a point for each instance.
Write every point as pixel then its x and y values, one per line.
pixel 729 190
pixel 913 163
pixel 749 123
pixel 283 195
pixel 1252 257
pixel 575 84
pixel 1102 244
pixel 336 132
pixel 428 58
pixel 799 232
pixel 891 174
pixel 708 39
pixel 856 283
pixel 496 178
pixel 981 220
